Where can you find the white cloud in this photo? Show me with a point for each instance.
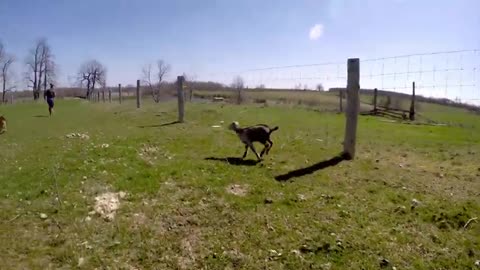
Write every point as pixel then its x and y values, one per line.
pixel 316 31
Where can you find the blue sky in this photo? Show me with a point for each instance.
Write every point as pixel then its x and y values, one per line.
pixel 207 38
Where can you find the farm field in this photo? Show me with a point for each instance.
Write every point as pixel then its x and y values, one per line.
pixel 185 201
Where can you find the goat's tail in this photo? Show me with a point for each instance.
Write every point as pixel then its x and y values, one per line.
pixel 273 129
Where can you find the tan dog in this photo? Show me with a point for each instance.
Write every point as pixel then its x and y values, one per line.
pixel 3 124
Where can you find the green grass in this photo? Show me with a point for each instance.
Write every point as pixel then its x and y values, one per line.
pixel 178 213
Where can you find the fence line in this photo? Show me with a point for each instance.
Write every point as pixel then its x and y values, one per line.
pixel 446 74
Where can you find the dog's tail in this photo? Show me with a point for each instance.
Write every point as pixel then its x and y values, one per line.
pixel 272 130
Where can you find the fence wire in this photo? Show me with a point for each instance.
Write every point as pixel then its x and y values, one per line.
pixel 452 75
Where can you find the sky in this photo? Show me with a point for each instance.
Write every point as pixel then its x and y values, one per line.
pixel 218 39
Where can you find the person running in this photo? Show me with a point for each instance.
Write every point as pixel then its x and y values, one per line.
pixel 49 95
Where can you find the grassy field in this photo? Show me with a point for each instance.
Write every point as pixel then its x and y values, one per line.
pixel 404 202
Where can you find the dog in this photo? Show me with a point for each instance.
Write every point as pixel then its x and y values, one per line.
pixel 3 124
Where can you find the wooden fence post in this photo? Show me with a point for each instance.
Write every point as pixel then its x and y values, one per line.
pixel 181 99
pixel 375 92
pixel 353 107
pixel 110 95
pixel 138 94
pixel 340 94
pixel 98 96
pixel 412 105
pixel 103 95
pixel 120 93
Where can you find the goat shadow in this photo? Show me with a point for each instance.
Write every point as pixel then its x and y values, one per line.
pixel 313 168
pixel 235 161
pixel 161 125
pixel 41 116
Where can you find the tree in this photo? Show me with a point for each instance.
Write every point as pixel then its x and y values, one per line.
pixel 91 73
pixel 155 78
pixel 320 87
pixel 49 67
pixel 189 82
pixel 40 67
pixel 189 77
pixel 261 86
pixel 238 84
pixel 6 62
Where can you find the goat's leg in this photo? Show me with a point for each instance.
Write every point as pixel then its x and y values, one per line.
pixel 264 149
pixel 255 151
pixel 269 147
pixel 246 150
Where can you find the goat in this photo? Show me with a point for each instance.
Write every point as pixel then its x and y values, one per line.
pixel 3 124
pixel 258 133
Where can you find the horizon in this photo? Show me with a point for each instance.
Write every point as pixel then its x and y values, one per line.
pixel 217 40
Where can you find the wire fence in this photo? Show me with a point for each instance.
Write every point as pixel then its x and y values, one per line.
pixel 452 75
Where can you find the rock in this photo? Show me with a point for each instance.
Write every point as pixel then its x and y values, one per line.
pixel 295 252
pixel 81 262
pixel 273 254
pixel 268 201
pixel 384 263
pixel 88 219
pixel 301 198
pixel 326 266
pixel 43 216
pixel 401 209
pixel 415 203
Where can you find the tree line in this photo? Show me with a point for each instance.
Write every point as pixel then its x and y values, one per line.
pixel 41 70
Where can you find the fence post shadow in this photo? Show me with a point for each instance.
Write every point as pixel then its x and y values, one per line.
pixel 313 168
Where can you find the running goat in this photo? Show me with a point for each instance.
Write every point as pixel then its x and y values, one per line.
pixel 258 133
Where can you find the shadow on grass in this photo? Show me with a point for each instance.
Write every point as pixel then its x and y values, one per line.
pixel 235 161
pixel 161 125
pixel 313 168
pixel 41 116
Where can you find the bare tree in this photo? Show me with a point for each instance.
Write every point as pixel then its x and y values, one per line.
pixel 189 82
pixel 91 73
pixel 40 67
pixel 320 87
pixel 6 61
pixel 48 65
pixel 238 84
pixel 155 78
